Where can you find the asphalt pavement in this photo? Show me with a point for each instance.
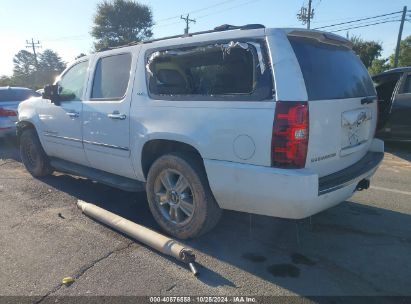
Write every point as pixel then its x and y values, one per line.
pixel 360 247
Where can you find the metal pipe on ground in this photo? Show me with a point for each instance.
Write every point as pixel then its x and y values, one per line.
pixel 142 234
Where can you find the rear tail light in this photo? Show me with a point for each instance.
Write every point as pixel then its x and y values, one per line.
pixel 7 113
pixel 290 135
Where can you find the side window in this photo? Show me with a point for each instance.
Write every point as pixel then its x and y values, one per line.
pixel 233 70
pixel 111 77
pixel 407 85
pixel 72 82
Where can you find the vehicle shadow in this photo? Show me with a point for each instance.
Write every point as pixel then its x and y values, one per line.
pixel 399 149
pixel 351 249
pixel 8 148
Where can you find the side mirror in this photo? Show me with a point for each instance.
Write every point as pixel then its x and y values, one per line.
pixel 51 92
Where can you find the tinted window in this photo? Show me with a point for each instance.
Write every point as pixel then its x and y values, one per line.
pixel 111 77
pixel 407 85
pixel 331 72
pixel 234 69
pixel 71 84
pixel 16 95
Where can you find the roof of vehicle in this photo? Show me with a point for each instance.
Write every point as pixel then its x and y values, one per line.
pixel 393 71
pixel 223 32
pixel 238 31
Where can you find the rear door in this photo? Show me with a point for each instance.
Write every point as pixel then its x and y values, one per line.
pixel 106 120
pixel 342 101
pixel 401 110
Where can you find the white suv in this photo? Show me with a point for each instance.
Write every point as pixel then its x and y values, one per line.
pixel 278 122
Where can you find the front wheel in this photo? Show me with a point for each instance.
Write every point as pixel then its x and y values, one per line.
pixel 180 197
pixel 32 154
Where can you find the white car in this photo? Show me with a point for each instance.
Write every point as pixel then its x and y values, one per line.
pixel 278 122
pixel 10 97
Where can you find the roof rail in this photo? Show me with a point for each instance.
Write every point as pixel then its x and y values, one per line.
pixel 221 28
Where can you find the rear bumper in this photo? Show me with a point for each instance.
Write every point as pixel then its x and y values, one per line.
pixel 286 193
pixel 7 127
pixel 350 175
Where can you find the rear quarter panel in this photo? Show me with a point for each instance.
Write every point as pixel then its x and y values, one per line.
pixel 220 130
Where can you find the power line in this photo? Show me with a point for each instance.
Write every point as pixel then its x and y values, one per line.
pixel 360 26
pixel 229 8
pixel 196 10
pixel 392 18
pixel 352 21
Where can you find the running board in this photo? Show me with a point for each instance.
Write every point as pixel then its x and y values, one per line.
pixel 109 179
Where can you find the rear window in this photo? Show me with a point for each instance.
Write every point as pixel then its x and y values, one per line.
pixel 330 71
pixel 16 95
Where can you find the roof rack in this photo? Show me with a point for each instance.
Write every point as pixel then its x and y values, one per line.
pixel 221 28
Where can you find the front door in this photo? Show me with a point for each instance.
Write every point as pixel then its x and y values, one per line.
pixel 106 120
pixel 401 111
pixel 62 123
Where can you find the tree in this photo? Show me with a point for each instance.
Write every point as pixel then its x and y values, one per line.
pixel 26 73
pixel 366 50
pixel 404 58
pixel 24 68
pixel 49 67
pixel 121 22
pixel 378 66
pixel 5 81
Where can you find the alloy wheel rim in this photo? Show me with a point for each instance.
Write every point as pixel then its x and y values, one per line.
pixel 174 197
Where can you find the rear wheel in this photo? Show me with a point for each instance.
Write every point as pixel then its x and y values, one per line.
pixel 180 197
pixel 32 154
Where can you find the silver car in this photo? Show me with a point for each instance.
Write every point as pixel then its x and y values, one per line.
pixel 10 97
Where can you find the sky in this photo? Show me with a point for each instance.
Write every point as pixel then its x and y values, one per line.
pixel 64 26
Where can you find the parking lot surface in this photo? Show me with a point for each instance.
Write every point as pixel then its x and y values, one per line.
pixel 360 247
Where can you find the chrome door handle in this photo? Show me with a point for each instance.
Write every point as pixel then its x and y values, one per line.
pixel 73 114
pixel 117 115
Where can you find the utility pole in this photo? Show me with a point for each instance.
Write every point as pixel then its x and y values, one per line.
pixel 187 20
pixel 33 45
pixel 306 14
pixel 397 49
pixel 309 15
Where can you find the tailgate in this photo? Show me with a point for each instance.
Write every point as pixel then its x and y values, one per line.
pixel 342 101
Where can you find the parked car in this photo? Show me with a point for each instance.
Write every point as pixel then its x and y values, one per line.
pixel 10 97
pixel 278 122
pixel 394 93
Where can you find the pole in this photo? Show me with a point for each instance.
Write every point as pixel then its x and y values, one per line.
pixel 142 234
pixel 187 20
pixel 309 14
pixel 33 45
pixel 397 49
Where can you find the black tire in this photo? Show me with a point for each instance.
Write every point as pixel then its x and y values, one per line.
pixel 32 154
pixel 205 210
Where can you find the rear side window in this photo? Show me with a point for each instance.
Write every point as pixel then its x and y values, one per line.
pixel 330 71
pixel 233 70
pixel 111 77
pixel 16 95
